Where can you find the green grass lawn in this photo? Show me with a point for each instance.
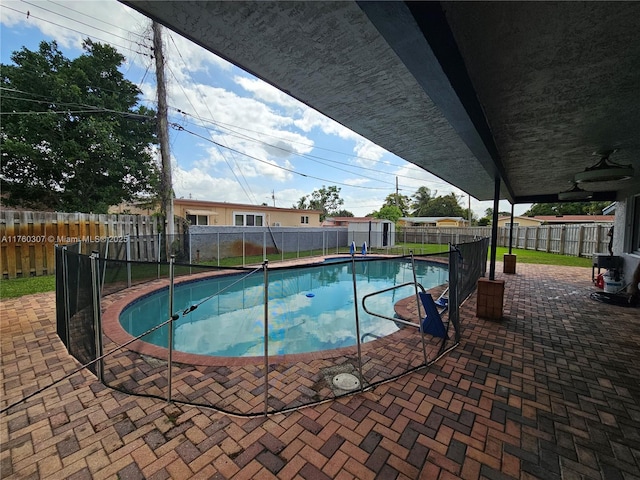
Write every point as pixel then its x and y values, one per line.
pixel 26 286
pixel 532 256
pixel 18 287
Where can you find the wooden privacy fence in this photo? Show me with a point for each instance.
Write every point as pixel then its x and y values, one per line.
pixel 28 238
pixel 581 240
pixel 575 240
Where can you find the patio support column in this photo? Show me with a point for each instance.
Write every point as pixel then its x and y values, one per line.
pixel 491 291
pixel 494 228
pixel 511 230
pixel 509 260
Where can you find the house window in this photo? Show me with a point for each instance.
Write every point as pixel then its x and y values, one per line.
pixel 304 219
pixel 198 219
pixel 248 219
pixel 515 225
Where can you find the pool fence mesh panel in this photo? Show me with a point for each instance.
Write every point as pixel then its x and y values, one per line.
pixel 266 384
pixel 473 264
pixel 250 245
pixel 76 327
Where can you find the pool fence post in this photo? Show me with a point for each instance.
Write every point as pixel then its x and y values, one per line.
pixel 170 338
pixel 265 267
pixel 415 286
pixel 106 256
pixel 454 257
pixel 218 245
pixel 97 324
pixel 159 247
pixel 128 258
pixel 65 281
pixel 243 250
pixel 355 304
pixel 264 244
pixel 282 249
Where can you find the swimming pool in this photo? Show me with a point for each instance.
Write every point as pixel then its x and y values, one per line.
pixel 310 309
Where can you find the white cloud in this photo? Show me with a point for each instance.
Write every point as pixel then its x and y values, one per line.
pixel 183 56
pixel 268 93
pixel 355 181
pixel 200 185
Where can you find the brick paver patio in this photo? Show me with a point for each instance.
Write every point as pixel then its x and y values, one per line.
pixel 552 392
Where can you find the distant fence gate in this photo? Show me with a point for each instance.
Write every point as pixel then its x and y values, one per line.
pixel 28 238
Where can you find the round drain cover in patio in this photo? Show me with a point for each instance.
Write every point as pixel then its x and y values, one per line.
pixel 346 381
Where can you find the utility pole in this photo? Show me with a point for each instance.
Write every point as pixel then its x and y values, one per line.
pixel 166 183
pixel 397 201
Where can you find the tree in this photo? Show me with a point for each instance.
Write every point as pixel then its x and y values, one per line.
pixel 421 199
pixel 400 201
pixel 489 213
pixel 325 199
pixel 75 139
pixel 443 206
pixel 343 213
pixel 389 212
pixel 488 217
pixel 567 208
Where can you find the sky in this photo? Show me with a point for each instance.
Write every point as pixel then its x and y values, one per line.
pixel 234 138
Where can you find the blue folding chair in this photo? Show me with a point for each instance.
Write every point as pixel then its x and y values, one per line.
pixel 432 322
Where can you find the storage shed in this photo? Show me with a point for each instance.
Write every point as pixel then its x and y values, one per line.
pixel 376 232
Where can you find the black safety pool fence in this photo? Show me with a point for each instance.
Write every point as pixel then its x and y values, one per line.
pixel 156 328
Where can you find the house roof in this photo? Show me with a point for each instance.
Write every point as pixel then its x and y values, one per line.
pixel 575 218
pixel 508 218
pixel 202 205
pixel 354 219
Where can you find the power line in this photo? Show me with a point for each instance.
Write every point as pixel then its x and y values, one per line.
pixel 144 37
pixel 28 14
pixel 92 108
pixel 220 124
pixel 179 127
pixel 316 158
pixel 233 171
pixel 250 195
pixel 82 23
pixel 306 155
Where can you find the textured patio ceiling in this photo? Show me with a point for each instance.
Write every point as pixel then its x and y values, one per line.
pixel 466 90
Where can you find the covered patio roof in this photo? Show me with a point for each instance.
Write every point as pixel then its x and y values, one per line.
pixel 529 93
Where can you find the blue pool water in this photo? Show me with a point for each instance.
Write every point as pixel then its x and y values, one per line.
pixel 310 309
